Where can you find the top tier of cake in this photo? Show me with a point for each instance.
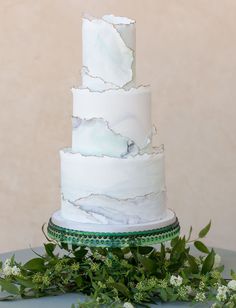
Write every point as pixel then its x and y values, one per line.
pixel 108 53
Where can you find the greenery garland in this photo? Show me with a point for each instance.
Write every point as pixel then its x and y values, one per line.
pixel 123 277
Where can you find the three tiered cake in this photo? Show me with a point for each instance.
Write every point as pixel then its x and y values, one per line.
pixel 112 178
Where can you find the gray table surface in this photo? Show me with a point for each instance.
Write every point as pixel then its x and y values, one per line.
pixel 65 301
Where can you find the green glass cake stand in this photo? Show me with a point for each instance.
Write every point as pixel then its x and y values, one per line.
pixel 70 232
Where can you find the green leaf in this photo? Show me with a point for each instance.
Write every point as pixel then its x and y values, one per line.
pixel 26 283
pixel 49 248
pixel 64 246
pixel 74 247
pixel 208 262
pixel 201 247
pixel 173 297
pixel 145 250
pixel 148 264
pixel 205 230
pixel 121 288
pixel 79 254
pixel 101 251
pixel 193 264
pixel 233 274
pixel 117 252
pixel 36 264
pixel 163 251
pixel 178 249
pixel 174 241
pixel 163 295
pixel 9 287
pixel 190 233
pixel 79 281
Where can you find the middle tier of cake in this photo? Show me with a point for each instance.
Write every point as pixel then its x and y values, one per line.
pixel 108 190
pixel 114 123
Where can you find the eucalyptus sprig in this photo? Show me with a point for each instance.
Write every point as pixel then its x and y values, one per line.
pixel 123 277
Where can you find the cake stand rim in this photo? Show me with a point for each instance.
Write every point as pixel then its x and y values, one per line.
pixel 114 239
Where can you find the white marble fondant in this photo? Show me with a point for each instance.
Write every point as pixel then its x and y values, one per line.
pixel 61 221
pixel 95 137
pixel 120 178
pixel 112 180
pixel 108 52
pixel 107 210
pixel 128 112
pixel 97 84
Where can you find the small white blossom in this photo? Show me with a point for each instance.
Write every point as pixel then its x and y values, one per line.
pixel 98 299
pixel 176 280
pixel 128 305
pixel 189 289
pixel 7 262
pixel 222 293
pixel 182 292
pixel 217 261
pixel 200 297
pixel 128 255
pixel 201 285
pixel 7 270
pixel 221 297
pixel 232 285
pixel 15 270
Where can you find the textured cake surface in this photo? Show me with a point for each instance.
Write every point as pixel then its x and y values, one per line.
pixel 112 175
pixel 108 189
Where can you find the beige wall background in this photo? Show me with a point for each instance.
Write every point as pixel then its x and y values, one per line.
pixel 186 49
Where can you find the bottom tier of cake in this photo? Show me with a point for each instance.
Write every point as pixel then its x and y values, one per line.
pixel 108 190
pixel 98 235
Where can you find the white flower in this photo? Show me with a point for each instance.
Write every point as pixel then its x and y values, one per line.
pixel 176 280
pixel 15 270
pixel 232 285
pixel 217 261
pixel 7 262
pixel 128 305
pixel 7 270
pixel 222 289
pixel 128 255
pixel 189 289
pixel 221 298
pixel 222 293
pixel 200 297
